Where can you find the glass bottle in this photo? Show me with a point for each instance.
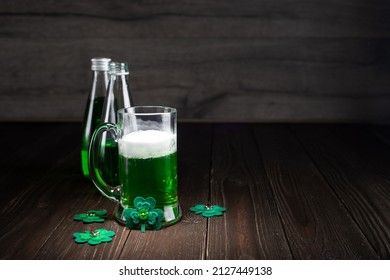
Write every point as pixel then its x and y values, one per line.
pixel 94 107
pixel 118 96
pixel 118 91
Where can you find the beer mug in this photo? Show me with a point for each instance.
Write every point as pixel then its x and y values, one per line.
pixel 146 137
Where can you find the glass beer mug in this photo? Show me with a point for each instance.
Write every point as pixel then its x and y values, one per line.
pixel 146 137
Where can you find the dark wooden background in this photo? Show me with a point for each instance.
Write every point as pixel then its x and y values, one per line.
pixel 247 60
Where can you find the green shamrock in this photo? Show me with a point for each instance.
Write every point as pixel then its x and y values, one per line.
pixel 95 237
pixel 92 216
pixel 143 214
pixel 208 211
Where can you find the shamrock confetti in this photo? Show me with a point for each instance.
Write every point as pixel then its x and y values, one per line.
pixel 143 214
pixel 208 211
pixel 94 237
pixel 92 216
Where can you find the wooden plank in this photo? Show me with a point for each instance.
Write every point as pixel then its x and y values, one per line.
pixel 37 214
pixel 315 221
pixel 20 25
pixel 221 107
pixel 39 225
pixel 38 222
pixel 356 164
pixel 251 227
pixel 284 60
pixel 60 243
pixel 35 204
pixel 291 108
pixel 187 239
pixel 292 17
pixel 273 80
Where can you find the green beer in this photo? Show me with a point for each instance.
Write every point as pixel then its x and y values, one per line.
pixel 154 177
pixel 148 167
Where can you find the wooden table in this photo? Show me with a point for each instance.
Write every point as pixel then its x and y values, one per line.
pixel 291 192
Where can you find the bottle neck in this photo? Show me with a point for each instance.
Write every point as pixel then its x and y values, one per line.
pixel 118 96
pixel 100 84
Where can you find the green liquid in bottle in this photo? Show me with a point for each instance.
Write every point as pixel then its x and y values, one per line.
pixel 91 120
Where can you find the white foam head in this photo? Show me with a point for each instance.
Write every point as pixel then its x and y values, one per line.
pixel 147 144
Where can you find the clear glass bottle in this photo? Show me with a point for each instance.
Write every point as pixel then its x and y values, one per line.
pixel 118 91
pixel 94 107
pixel 118 96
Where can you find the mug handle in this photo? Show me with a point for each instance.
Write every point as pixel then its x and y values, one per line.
pixel 111 192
